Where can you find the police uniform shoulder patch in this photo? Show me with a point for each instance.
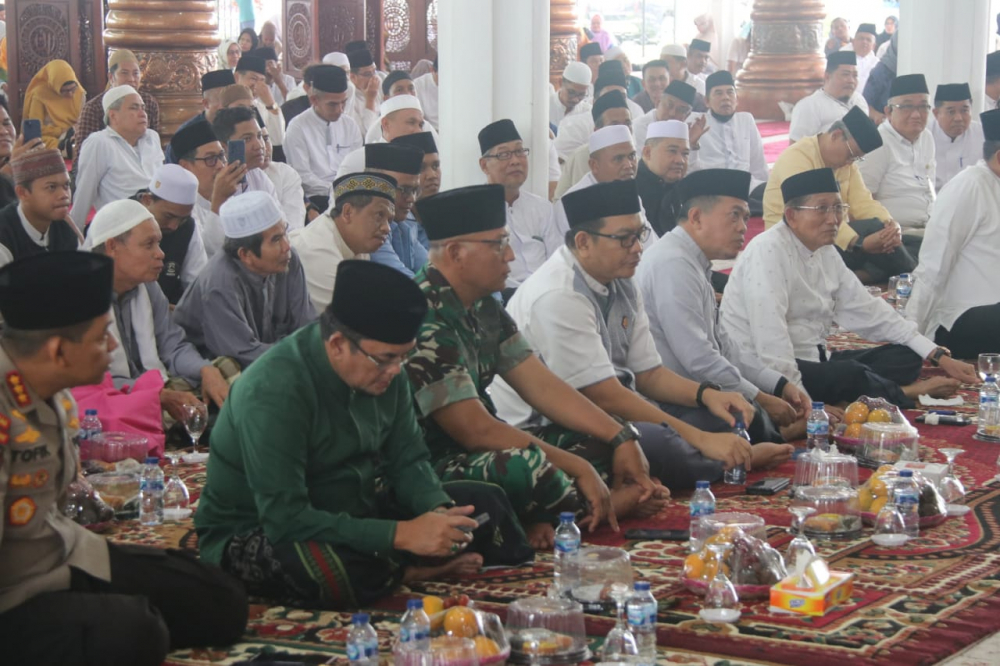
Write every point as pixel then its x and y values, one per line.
pixel 16 385
pixel 20 481
pixel 29 436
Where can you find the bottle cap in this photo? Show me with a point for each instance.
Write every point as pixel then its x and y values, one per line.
pixel 701 484
pixel 817 405
pixel 90 412
pixel 415 603
pixel 152 460
pixel 642 586
pixel 906 473
pixel 567 517
pixel 359 618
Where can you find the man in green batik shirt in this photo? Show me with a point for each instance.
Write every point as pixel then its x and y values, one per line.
pixel 466 340
pixel 293 504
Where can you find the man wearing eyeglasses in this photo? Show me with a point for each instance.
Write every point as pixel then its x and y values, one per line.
pixel 403 163
pixel 363 107
pixel 901 176
pixel 400 115
pixel 789 286
pixel 840 93
pixel 468 339
pixel 675 104
pixel 609 109
pixel 572 94
pixel 869 241
pixel 958 139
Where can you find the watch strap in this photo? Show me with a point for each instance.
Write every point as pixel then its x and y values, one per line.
pixel 704 386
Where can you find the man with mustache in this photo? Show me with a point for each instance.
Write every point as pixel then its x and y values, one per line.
pixel 958 139
pixel 839 94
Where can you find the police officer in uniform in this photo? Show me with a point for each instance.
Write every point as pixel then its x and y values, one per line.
pixel 68 596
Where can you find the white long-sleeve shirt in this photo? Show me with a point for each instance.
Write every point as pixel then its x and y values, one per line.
pixel 358 111
pixel 374 134
pixel 782 299
pixel 533 235
pixel 427 92
pixel 575 129
pixel 953 155
pixel 315 148
pixel 735 144
pixel 960 252
pixel 274 122
pixel 557 111
pixel 110 169
pixel 321 248
pixel 900 175
pixel 209 226
pixel 289 82
pixel 288 188
pixel 815 113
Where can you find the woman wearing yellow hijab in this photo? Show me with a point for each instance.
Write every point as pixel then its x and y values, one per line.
pixel 54 97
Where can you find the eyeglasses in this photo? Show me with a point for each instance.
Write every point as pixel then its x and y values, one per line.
pixel 839 210
pixel 912 108
pixel 409 192
pixel 626 240
pixel 854 158
pixel 501 243
pixel 507 154
pixel 211 160
pixel 380 364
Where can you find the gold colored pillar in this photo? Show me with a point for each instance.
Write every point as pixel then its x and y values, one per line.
pixel 563 37
pixel 786 61
pixel 176 41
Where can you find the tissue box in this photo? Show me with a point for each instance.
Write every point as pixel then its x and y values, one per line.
pixel 933 472
pixel 785 595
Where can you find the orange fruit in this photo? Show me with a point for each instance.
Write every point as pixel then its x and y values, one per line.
pixel 878 503
pixel 853 431
pixel 879 416
pixel 877 487
pixel 433 605
pixel 461 621
pixel 865 499
pixel 693 566
pixel 856 412
pixel 486 647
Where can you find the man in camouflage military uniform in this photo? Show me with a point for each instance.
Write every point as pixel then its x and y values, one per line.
pixel 67 596
pixel 468 339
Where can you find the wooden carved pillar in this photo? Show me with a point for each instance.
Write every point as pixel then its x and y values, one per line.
pixel 176 41
pixel 786 59
pixel 563 37
pixel 301 35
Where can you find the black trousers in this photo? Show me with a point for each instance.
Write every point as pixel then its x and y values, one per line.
pixel 157 600
pixel 879 372
pixel 972 334
pixel 880 267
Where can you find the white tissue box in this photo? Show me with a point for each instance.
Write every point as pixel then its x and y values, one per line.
pixel 933 472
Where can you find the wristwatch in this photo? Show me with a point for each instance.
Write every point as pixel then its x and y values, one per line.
pixel 273 107
pixel 935 357
pixel 704 386
pixel 628 432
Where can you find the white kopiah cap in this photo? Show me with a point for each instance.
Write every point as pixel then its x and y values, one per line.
pixel 613 53
pixel 578 73
pixel 175 184
pixel 609 136
pixel 667 129
pixel 337 59
pixel 674 50
pixel 249 214
pixel 115 94
pixel 398 103
pixel 114 219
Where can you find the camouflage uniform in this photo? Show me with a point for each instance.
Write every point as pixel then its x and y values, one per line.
pixel 459 352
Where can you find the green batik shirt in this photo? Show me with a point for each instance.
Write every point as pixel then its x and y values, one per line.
pixel 459 352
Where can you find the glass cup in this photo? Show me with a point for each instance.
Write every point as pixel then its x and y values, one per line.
pixel 195 423
pixel 951 487
pixel 876 292
pixel 891 289
pixel 890 529
pixel 721 600
pixel 989 365
pixel 620 643
pixel 800 545
pixel 176 497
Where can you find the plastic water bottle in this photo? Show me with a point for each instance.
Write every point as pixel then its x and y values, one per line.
pixel 151 493
pixel 415 627
pixel 989 409
pixel 642 608
pixel 566 572
pixel 737 476
pixel 907 498
pixel 904 287
pixel 362 641
pixel 818 429
pixel 702 505
pixel 90 430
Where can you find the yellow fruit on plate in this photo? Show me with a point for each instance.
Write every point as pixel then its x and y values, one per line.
pixel 877 487
pixel 486 647
pixel 461 621
pixel 883 469
pixel 853 431
pixel 879 416
pixel 693 566
pixel 856 412
pixel 877 504
pixel 865 499
pixel 433 605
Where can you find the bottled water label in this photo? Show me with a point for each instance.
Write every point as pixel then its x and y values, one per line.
pixel 641 615
pixel 567 546
pixel 698 509
pixel 903 290
pixel 407 635
pixel 817 428
pixel 357 651
pixel 987 399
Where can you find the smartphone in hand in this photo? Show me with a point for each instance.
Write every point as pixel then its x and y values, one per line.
pixel 31 129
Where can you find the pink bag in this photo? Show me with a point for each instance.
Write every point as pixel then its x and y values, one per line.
pixel 134 409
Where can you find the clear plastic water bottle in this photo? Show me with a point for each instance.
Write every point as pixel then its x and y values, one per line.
pixel 566 573
pixel 818 429
pixel 642 608
pixel 362 641
pixel 702 505
pixel 907 498
pixel 151 493
pixel 989 409
pixel 737 476
pixel 904 287
pixel 415 627
pixel 90 430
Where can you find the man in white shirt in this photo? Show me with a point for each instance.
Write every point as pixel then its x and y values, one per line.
pixel 675 103
pixel 533 235
pixel 584 317
pixel 426 90
pixel 609 109
pixel 573 89
pixel 956 297
pixel 840 92
pixel 731 139
pixel 574 129
pixel 901 175
pixel 397 84
pixel 788 287
pixel 251 72
pixel 279 83
pixel 664 163
pixel 400 115
pixel 655 79
pixel 592 55
pixel 958 139
pixel 363 108
pixel 319 139
pixel 118 161
pixel 699 60
pixel 356 226
pixel 863 46
pixel 675 55
pixel 238 123
pixel 287 186
pixel 992 80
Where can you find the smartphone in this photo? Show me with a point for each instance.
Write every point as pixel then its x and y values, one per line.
pixel 768 486
pixel 481 520
pixel 663 535
pixel 31 129
pixel 237 152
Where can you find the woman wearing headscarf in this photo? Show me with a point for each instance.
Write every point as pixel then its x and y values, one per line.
pixel 229 54
pixel 890 25
pixel 55 97
pixel 248 40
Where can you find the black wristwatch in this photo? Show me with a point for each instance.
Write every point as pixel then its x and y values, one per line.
pixel 937 354
pixel 704 386
pixel 628 432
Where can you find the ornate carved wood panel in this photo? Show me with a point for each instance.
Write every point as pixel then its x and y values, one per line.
pixel 410 31
pixel 301 35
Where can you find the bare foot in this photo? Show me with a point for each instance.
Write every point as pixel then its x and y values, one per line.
pixel 462 565
pixel 625 500
pixel 935 387
pixel 541 536
pixel 769 454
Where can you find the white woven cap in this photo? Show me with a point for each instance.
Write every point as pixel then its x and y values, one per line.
pixel 667 129
pixel 676 50
pixel 114 219
pixel 175 184
pixel 578 73
pixel 609 136
pixel 115 94
pixel 613 53
pixel 398 103
pixel 337 59
pixel 249 214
